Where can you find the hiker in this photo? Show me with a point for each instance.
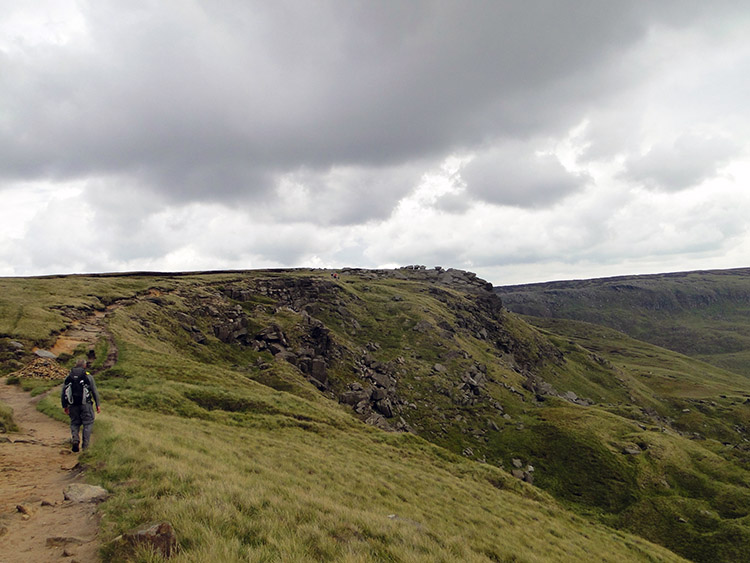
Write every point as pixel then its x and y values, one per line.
pixel 78 395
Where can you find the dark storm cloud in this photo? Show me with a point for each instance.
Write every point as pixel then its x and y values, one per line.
pixel 223 100
pixel 274 83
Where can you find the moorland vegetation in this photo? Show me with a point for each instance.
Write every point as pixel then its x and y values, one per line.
pixel 390 415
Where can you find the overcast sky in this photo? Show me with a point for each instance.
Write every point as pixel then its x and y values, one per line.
pixel 525 141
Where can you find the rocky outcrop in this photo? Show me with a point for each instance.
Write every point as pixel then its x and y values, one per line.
pixel 373 392
pixel 311 352
pixel 473 384
pixel 233 328
pixel 542 390
pixel 299 294
pixel 456 279
pixel 189 324
pixel 523 473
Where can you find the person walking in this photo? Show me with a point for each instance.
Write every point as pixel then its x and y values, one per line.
pixel 78 397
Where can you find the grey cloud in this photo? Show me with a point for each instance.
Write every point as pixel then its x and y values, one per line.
pixel 455 202
pixel 342 195
pixel 688 161
pixel 212 101
pixel 514 175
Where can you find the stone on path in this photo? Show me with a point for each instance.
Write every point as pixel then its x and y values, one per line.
pixel 78 492
pixel 25 509
pixel 62 541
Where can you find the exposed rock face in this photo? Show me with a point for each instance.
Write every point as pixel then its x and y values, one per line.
pixel 473 384
pixel 234 327
pixel 318 370
pixel 376 395
pixel 310 353
pixel 272 338
pixel 188 323
pixel 357 394
pixel 296 293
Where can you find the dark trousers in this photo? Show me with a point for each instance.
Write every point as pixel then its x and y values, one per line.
pixel 81 415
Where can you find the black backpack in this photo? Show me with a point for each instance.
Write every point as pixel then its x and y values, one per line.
pixel 77 387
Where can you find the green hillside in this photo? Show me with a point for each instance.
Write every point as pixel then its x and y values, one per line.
pixel 705 314
pixel 391 416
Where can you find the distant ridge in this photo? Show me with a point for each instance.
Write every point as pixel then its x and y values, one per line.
pixel 702 313
pixel 596 281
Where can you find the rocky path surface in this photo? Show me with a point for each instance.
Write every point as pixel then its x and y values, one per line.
pixel 88 331
pixel 36 523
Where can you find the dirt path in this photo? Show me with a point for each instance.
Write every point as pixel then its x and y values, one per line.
pixel 36 464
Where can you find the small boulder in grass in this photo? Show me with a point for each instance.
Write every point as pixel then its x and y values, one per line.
pixel 160 536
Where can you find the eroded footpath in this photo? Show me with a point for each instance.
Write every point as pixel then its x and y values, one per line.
pixel 36 523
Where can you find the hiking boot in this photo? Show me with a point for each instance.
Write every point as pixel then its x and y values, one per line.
pixel 75 446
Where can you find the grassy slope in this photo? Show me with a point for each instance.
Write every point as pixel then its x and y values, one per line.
pixel 701 314
pixel 577 452
pixel 689 488
pixel 277 475
pixel 31 308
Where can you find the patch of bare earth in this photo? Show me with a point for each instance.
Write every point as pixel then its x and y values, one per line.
pixel 36 523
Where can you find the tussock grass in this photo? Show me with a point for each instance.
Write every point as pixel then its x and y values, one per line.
pixel 7 424
pixel 287 494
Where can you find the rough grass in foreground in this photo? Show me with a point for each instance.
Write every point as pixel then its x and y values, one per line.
pixel 7 424
pixel 264 493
